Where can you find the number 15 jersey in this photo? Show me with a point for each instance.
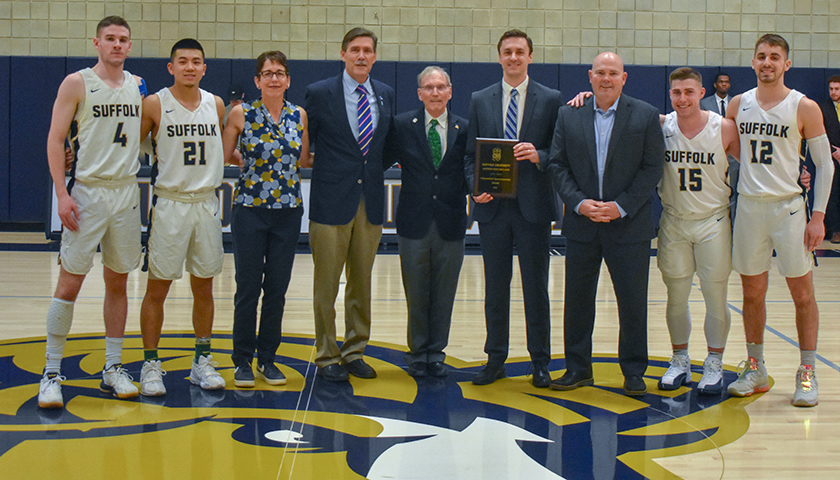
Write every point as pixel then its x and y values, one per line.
pixel 693 184
pixel 188 146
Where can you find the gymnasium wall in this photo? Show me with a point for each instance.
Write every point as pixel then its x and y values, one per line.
pixel 42 41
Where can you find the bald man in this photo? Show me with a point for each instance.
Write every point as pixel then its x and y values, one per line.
pixel 606 160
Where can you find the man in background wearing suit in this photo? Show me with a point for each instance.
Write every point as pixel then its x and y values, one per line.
pixel 606 160
pixel 350 117
pixel 516 108
pixel 431 219
pixel 718 102
pixel 831 113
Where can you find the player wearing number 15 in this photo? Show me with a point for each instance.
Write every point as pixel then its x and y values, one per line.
pixel 185 224
pixel 98 109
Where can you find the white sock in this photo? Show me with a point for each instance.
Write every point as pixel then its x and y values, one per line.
pixel 113 351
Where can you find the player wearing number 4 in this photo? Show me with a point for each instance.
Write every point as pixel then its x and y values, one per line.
pixel 99 110
pixel 772 121
pixel 185 224
pixel 695 232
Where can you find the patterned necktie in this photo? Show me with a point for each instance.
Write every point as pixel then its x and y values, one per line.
pixel 510 118
pixel 365 123
pixel 434 142
pixel 722 109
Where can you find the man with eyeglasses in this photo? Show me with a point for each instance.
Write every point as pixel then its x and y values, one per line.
pixel 350 117
pixel 522 109
pixel 431 219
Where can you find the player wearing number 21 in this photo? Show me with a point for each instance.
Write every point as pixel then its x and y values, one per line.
pixel 185 224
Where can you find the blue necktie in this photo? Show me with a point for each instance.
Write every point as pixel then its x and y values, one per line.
pixel 510 118
pixel 365 123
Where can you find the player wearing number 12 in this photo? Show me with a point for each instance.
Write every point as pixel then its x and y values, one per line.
pixel 185 224
pixel 772 122
pixel 98 109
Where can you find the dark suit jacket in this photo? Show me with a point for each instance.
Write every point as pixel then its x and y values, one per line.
pixel 341 174
pixel 832 125
pixel 537 200
pixel 635 158
pixel 712 103
pixel 427 194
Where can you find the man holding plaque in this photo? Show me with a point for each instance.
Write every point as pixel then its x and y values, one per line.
pixel 522 110
pixel 606 160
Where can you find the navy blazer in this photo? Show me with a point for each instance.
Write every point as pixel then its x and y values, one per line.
pixel 537 200
pixel 340 173
pixel 427 194
pixel 635 159
pixel 832 124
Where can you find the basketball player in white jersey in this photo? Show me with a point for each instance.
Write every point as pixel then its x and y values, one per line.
pixel 185 225
pixel 772 121
pixel 695 231
pixel 98 109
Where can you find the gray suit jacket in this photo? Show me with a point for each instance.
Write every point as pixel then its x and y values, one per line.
pixel 635 158
pixel 712 103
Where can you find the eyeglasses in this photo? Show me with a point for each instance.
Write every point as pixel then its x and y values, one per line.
pixel 432 88
pixel 267 74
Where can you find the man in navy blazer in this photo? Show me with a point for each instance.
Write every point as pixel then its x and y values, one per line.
pixel 829 109
pixel 606 160
pixel 524 221
pixel 350 117
pixel 431 219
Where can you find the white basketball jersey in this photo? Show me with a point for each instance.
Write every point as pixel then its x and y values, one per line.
pixel 770 145
pixel 105 134
pixel 693 181
pixel 188 146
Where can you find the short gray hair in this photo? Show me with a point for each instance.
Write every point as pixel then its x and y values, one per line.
pixel 430 70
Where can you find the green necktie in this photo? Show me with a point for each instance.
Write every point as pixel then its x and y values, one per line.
pixel 434 142
pixel 837 107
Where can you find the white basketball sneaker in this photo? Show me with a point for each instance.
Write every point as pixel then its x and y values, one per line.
pixel 117 381
pixel 679 373
pixel 204 374
pixel 49 393
pixel 752 379
pixel 151 379
pixel 806 387
pixel 712 381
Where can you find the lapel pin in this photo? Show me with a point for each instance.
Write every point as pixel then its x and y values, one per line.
pixel 414 121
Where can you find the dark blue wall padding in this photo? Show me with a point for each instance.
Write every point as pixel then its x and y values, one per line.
pixel 33 85
pixel 24 173
pixel 5 111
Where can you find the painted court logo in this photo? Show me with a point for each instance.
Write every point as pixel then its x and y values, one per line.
pixel 392 427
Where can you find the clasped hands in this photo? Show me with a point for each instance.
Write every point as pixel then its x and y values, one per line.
pixel 598 211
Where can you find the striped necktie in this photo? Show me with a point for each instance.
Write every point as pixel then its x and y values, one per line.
pixel 510 118
pixel 365 123
pixel 434 142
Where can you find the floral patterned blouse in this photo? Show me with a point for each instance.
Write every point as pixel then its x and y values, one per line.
pixel 271 154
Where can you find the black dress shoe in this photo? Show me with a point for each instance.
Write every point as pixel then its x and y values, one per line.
pixel 572 380
pixel 358 368
pixel 540 377
pixel 417 369
pixel 437 369
pixel 634 386
pixel 490 374
pixel 334 373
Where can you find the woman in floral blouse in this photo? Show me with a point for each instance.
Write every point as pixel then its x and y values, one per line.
pixel 272 137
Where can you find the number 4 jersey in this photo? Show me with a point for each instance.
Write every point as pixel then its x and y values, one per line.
pixel 188 147
pixel 105 133
pixel 770 144
pixel 694 184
